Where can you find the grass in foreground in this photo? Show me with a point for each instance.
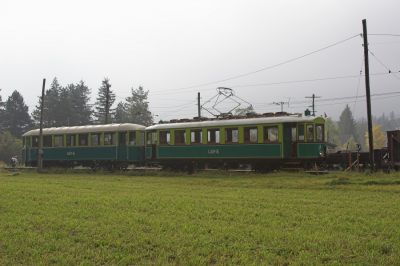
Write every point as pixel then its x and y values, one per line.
pixel 207 218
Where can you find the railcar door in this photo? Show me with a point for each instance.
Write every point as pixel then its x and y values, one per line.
pixel 122 147
pixel 289 140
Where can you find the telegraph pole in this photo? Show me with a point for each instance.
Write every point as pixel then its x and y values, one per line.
pixel 40 150
pixel 198 105
pixel 313 97
pixel 281 104
pixel 368 94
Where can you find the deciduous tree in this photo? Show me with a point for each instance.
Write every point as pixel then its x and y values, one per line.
pixel 137 107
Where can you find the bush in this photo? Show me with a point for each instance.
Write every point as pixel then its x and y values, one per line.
pixel 9 146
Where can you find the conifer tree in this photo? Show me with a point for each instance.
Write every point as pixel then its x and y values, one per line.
pixel 16 118
pixel 346 125
pixel 104 101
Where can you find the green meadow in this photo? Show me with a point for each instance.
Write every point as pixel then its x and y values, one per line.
pixel 209 218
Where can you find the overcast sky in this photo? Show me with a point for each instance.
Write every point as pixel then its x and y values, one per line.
pixel 172 47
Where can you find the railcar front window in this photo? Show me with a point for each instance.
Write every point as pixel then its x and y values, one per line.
pixel 58 141
pixel 196 136
pixel 271 134
pixel 180 137
pixel 320 132
pixel 310 133
pixel 213 136
pixel 70 140
pixel 151 138
pixel 83 139
pixel 232 135
pixel 250 135
pixel 95 139
pixel 109 139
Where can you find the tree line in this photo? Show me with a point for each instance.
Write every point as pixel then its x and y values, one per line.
pixel 68 105
pixel 71 105
pixel 347 132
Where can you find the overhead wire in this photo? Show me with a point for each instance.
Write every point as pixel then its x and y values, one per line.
pixel 358 85
pixel 264 68
pixel 382 64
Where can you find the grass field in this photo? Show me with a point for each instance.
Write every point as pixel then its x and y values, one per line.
pixel 207 218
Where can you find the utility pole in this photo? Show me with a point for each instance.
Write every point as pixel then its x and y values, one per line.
pixel 368 94
pixel 281 104
pixel 313 97
pixel 40 150
pixel 107 102
pixel 198 105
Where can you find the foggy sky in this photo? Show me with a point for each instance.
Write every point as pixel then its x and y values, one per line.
pixel 166 46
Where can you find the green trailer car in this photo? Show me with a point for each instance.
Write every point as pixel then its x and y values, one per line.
pixel 109 146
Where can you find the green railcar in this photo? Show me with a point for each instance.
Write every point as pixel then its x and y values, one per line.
pixel 113 145
pixel 262 141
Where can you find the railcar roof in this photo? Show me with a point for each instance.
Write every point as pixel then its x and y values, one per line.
pixel 86 129
pixel 235 122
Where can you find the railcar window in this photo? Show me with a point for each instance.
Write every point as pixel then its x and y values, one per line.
pixel 294 134
pixel 196 136
pixel 59 141
pixel 151 138
pixel 213 136
pixel 271 134
pixel 132 138
pixel 310 132
pixel 28 141
pixel 250 134
pixel 165 137
pixel 301 132
pixel 180 137
pixel 320 132
pixel 95 139
pixel 141 138
pixel 122 138
pixel 35 141
pixel 70 140
pixel 47 141
pixel 83 139
pixel 232 135
pixel 109 138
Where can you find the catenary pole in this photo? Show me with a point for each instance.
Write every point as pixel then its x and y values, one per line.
pixel 368 94
pixel 198 105
pixel 40 151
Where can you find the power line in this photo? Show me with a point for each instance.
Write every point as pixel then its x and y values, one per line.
pixel 382 64
pixel 291 82
pixel 384 34
pixel 264 68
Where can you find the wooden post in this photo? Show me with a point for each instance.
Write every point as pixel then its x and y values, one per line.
pixel 40 150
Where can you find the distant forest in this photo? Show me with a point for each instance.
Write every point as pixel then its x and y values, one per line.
pixel 70 105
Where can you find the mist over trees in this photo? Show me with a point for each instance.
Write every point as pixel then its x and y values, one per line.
pixel 348 132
